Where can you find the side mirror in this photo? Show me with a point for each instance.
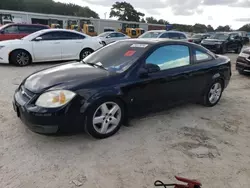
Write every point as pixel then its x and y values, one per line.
pixel 1 31
pixel 107 36
pixel 38 39
pixel 151 68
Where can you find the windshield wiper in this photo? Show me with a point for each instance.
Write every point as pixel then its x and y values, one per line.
pixel 99 65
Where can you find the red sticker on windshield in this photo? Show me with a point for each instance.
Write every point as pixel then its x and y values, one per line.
pixel 129 53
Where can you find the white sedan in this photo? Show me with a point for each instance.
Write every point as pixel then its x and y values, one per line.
pixel 112 36
pixel 48 45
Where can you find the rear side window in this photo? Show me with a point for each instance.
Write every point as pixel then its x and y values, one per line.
pixel 30 28
pixel 70 36
pixel 170 56
pixel 182 36
pixel 202 56
pixel 13 29
pixel 164 35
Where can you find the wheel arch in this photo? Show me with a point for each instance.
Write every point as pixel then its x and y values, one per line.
pixel 31 57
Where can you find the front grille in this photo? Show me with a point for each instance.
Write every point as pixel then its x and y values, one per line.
pixel 26 94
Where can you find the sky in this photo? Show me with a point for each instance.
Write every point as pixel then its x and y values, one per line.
pixel 214 12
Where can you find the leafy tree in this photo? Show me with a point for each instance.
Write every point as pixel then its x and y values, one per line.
pixel 161 21
pixel 143 20
pixel 151 20
pixel 223 28
pixel 47 7
pixel 210 28
pixel 199 28
pixel 245 28
pixel 125 11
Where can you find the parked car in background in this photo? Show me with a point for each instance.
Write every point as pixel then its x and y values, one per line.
pixel 175 35
pixel 109 37
pixel 243 61
pixel 244 36
pixel 197 38
pixel 123 79
pixel 48 45
pixel 18 31
pixel 223 42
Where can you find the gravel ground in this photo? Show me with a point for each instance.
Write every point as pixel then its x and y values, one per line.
pixel 209 144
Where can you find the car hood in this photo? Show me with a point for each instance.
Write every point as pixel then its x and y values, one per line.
pixel 65 76
pixel 10 42
pixel 213 40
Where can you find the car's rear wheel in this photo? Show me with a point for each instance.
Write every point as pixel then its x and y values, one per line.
pixel 213 93
pixel 104 118
pixel 85 52
pixel 20 58
pixel 238 50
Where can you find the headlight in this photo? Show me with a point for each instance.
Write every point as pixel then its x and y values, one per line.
pixel 54 99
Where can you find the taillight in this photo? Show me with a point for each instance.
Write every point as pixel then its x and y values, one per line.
pixel 189 40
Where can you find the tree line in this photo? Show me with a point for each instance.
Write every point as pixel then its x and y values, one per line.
pixel 121 10
pixel 47 7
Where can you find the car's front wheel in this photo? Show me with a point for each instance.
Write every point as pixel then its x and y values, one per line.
pixel 213 93
pixel 85 52
pixel 20 58
pixel 238 50
pixel 104 118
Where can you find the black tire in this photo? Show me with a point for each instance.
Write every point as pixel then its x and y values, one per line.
pixel 238 50
pixel 223 50
pixel 206 101
pixel 20 58
pixel 85 52
pixel 89 125
pixel 241 72
pixel 104 43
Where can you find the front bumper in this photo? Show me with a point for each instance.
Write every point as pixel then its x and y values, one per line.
pixel 46 121
pixel 243 64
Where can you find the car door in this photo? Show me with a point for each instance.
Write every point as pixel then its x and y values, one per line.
pixel 9 33
pixel 112 37
pixel 47 47
pixel 232 44
pixel 170 84
pixel 72 45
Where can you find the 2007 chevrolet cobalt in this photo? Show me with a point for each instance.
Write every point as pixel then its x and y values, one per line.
pixel 117 81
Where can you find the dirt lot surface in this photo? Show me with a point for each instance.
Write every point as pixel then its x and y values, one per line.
pixel 209 144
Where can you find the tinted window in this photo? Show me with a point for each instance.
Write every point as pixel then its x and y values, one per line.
pixel 182 36
pixel 30 28
pixel 174 35
pixel 11 29
pixel 118 56
pixel 170 56
pixel 164 35
pixel 70 36
pixel 202 56
pixel 151 34
pixel 120 35
pixel 51 36
pixel 112 35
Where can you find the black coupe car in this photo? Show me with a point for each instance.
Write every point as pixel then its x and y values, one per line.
pixel 223 42
pixel 119 81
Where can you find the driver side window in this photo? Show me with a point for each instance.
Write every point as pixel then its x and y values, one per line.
pixel 170 56
pixel 112 35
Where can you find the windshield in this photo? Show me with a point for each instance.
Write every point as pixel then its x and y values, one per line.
pixel 118 56
pixel 197 36
pixel 151 34
pixel 220 36
pixel 104 34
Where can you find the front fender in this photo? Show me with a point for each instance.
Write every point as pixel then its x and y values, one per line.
pixel 91 96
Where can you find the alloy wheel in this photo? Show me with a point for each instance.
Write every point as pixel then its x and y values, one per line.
pixel 22 59
pixel 85 54
pixel 215 93
pixel 107 117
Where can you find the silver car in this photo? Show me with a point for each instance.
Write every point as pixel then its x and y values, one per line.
pixel 175 35
pixel 109 37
